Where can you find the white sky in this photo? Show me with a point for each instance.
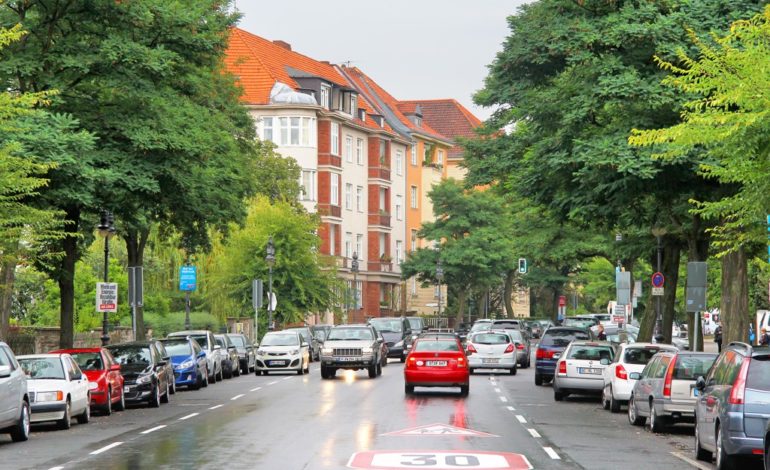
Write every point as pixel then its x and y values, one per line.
pixel 415 49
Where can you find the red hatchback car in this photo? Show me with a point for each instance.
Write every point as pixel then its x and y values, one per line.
pixel 104 378
pixel 437 362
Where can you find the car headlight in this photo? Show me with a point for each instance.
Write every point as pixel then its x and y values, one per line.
pixel 400 344
pixel 185 365
pixel 327 351
pixel 93 385
pixel 294 352
pixel 58 395
pixel 367 350
pixel 260 352
pixel 143 379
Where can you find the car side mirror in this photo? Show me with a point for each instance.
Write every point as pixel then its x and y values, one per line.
pixel 217 347
pixel 5 371
pixel 162 364
pixel 604 361
pixel 167 358
pixel 76 377
pixel 115 367
pixel 700 383
pixel 634 376
pixel 202 354
pixel 380 340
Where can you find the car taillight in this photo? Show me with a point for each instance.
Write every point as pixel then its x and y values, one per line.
pixel 519 346
pixel 563 368
pixel 411 362
pixel 543 354
pixel 620 372
pixel 739 386
pixel 470 348
pixel 669 376
pixel 461 362
pixel 509 349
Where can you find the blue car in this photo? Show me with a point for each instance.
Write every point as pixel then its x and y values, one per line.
pixel 189 361
pixel 553 343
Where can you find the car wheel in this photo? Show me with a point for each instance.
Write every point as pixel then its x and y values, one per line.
pixel 121 405
pixel 464 389
pixel 324 373
pixel 605 400
pixel 237 369
pixel 471 370
pixel 558 395
pixel 633 415
pixel 538 379
pixel 403 358
pixel 229 374
pixel 107 409
pixel 724 461
pixel 614 404
pixel 529 360
pixel 379 369
pixel 703 454
pixel 656 423
pixel 85 417
pixel 372 371
pixel 205 379
pixel 173 386
pixel 513 370
pixel 408 389
pixel 154 401
pixel 165 396
pixel 20 432
pixel 66 421
pixel 245 369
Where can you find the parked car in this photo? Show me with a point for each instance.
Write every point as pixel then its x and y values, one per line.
pixel 553 342
pixel 507 323
pixel 189 362
pixel 321 331
pixel 665 389
pixel 397 333
pixel 206 341
pixel 417 324
pixel 144 371
pixel 282 351
pixel 437 362
pixel 247 354
pixel 733 405
pixel 231 363
pixel 352 347
pixel 312 341
pixel 14 398
pixel 523 347
pixel 580 368
pixel 383 349
pixel 630 358
pixel 58 389
pixel 579 322
pixel 481 324
pixel 165 357
pixel 491 350
pixel 104 378
pixel 617 335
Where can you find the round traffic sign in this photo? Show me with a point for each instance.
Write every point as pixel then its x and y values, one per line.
pixel 658 280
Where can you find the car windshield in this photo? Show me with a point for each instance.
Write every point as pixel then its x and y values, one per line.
pixel 280 340
pixel 759 373
pixel 515 335
pixel 561 338
pixel 178 348
pixel 588 352
pixel 238 341
pixel 692 367
pixel 350 334
pixel 221 342
pixel 203 340
pixel 639 356
pixel 303 331
pixel 88 360
pixel 578 322
pixel 483 326
pixel 39 368
pixel 415 323
pixel 490 338
pixel 502 325
pixel 131 354
pixel 387 326
pixel 431 345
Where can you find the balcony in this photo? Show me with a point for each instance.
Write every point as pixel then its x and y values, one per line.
pixel 331 160
pixel 329 210
pixel 381 218
pixel 379 172
pixel 380 266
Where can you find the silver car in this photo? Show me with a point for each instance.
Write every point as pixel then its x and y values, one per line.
pixel 523 350
pixel 282 351
pixel 580 368
pixel 491 350
pixel 14 398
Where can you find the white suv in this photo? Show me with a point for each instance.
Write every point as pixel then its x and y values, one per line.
pixel 631 357
pixel 14 398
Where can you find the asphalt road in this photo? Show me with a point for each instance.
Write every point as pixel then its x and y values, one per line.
pixel 303 422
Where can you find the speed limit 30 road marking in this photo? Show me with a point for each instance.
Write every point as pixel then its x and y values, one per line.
pixel 440 460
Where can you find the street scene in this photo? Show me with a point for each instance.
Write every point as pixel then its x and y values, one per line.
pixel 525 234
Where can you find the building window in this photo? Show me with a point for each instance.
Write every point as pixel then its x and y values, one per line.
pixel 382 246
pixel 267 129
pixel 359 245
pixel 399 203
pixel 284 130
pixel 332 239
pixel 335 189
pixel 353 103
pixel 348 244
pixel 335 138
pixel 414 153
pixel 360 198
pixel 440 157
pixel 399 251
pixel 348 196
pixel 382 150
pixel 325 92
pixel 414 240
pixel 414 286
pixel 294 130
pixel 308 185
pixel 349 149
pixel 383 198
pixel 307 131
pixel 399 162
pixel 413 194
pixel 360 151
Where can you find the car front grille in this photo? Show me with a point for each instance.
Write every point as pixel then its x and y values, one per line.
pixel 277 354
pixel 347 351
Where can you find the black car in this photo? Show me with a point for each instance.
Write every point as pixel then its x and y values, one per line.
pixel 554 341
pixel 397 333
pixel 144 371
pixel 311 340
pixel 231 363
pixel 166 357
pixel 247 354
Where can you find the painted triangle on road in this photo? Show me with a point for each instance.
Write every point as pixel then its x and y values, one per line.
pixel 439 429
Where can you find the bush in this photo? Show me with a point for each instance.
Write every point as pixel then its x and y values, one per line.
pixel 163 325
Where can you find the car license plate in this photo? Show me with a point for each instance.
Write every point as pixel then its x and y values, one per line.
pixel 435 363
pixel 276 363
pixel 347 359
pixel 488 360
pixel 694 392
pixel 126 389
pixel 588 370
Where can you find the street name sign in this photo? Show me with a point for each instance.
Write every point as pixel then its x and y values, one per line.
pixel 107 297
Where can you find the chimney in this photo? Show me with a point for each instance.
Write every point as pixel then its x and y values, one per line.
pixel 283 44
pixel 326 62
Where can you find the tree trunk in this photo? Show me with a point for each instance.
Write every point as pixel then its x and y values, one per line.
pixel 734 309
pixel 647 323
pixel 508 293
pixel 7 278
pixel 697 250
pixel 462 296
pixel 67 293
pixel 136 241
pixel 671 256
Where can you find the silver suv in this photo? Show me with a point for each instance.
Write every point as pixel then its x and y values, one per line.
pixel 14 400
pixel 352 347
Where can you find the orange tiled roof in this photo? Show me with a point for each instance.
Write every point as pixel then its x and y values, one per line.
pixel 447 116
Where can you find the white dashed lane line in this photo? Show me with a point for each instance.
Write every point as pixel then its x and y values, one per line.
pixel 273 383
pixel 497 390
pixel 287 378
pixel 503 399
pixel 215 407
pixel 533 433
pixel 551 453
pixel 255 389
pixel 106 448
pixel 188 416
pixel 236 397
pixel 510 408
pixel 148 431
pixel 521 419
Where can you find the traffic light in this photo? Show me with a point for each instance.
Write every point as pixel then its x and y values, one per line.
pixel 522 266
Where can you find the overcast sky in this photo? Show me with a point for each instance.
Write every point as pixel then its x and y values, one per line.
pixel 415 49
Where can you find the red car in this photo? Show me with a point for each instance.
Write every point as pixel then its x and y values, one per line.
pixel 104 378
pixel 437 361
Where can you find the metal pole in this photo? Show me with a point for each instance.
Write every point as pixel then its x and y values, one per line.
pixel 105 320
pixel 658 307
pixel 187 325
pixel 270 300
pixel 355 295
pixel 696 327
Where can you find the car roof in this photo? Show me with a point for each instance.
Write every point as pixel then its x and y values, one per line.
pixel 41 356
pixel 355 325
pixel 567 328
pixel 76 350
pixel 133 343
pixel 588 342
pixel 189 332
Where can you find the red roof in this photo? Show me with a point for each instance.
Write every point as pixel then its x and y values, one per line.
pixel 447 116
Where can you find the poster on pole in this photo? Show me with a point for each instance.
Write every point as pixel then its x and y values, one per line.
pixel 106 297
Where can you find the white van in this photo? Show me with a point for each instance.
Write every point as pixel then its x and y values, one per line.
pixel 710 321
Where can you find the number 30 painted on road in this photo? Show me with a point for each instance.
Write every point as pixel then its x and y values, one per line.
pixel 393 460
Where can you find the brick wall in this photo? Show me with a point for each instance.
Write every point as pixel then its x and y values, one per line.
pixel 372 299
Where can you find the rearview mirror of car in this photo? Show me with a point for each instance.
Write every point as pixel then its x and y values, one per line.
pixel 634 376
pixel 202 354
pixel 5 371
pixel 217 347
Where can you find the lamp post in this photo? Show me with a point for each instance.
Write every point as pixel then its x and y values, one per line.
pixel 439 277
pixel 270 260
pixel 106 229
pixel 354 270
pixel 618 239
pixel 658 232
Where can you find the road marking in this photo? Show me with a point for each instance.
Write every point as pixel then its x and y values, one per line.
pixel 503 399
pixel 106 448
pixel 215 407
pixel 188 416
pixel 56 468
pixel 692 462
pixel 551 453
pixel 273 382
pixel 510 408
pixel 255 389
pixel 521 419
pixel 287 378
pixel 148 431
pixel 439 429
pixel 236 397
pixel 497 390
pixel 533 432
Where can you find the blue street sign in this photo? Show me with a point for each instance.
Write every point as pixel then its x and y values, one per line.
pixel 657 280
pixel 187 278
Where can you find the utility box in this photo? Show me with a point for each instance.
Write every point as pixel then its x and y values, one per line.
pixel 696 286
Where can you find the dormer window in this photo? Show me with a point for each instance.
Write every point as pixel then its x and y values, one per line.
pixel 326 92
pixel 362 115
pixel 353 103
pixel 418 121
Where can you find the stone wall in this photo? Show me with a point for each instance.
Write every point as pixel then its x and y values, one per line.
pixel 38 340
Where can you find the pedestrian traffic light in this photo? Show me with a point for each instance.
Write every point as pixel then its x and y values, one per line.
pixel 522 266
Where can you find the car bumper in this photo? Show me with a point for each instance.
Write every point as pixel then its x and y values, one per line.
pixel 579 384
pixel 40 412
pixel 545 368
pixel 287 363
pixel 356 362
pixel 185 377
pixel 137 393
pixel 505 362
pixel 680 411
pixel 436 379
pixel 621 389
pixel 395 351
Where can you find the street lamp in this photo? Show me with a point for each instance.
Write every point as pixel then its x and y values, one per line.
pixel 106 229
pixel 618 239
pixel 439 277
pixel 658 232
pixel 354 270
pixel 270 260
